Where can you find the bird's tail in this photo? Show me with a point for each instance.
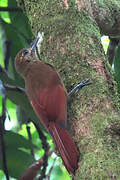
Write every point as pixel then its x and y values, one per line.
pixel 65 146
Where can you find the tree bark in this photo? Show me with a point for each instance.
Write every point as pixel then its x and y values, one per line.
pixel 72 31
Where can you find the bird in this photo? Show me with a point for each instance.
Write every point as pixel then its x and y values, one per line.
pixel 48 97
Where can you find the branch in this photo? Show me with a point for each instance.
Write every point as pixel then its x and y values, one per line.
pixel 3 116
pixel 2 119
pixel 107 16
pixel 5 78
pixel 10 9
pixel 50 171
pixel 45 146
pixel 32 170
pixel 30 138
pixel 14 88
pixel 7 54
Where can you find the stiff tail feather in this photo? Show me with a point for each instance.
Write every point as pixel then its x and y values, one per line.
pixel 65 146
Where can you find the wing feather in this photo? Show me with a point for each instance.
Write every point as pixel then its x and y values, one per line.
pixel 50 104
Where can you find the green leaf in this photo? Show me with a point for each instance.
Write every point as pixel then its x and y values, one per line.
pixel 15 140
pixel 10 104
pixel 59 171
pixel 3 3
pixel 19 97
pixel 1 174
pixel 22 116
pixel 17 161
pixel 5 78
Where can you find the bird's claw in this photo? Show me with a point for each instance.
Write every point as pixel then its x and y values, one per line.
pixel 77 88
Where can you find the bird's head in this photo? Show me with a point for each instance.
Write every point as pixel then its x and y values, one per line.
pixel 25 56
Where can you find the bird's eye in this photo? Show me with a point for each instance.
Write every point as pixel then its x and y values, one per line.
pixel 25 52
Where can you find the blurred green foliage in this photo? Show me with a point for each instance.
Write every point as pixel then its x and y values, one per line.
pixel 15 34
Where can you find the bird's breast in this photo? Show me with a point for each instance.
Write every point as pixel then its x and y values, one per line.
pixel 41 76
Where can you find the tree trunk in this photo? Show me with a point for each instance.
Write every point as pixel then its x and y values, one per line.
pixel 72 31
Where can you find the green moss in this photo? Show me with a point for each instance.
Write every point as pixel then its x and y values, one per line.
pixel 100 151
pixel 99 165
pixel 73 46
pixel 49 17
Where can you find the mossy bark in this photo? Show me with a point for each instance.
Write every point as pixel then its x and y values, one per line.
pixel 72 44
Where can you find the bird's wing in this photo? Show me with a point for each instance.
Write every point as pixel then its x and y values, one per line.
pixel 50 105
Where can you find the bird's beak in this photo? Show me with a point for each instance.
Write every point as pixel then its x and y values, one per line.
pixel 34 44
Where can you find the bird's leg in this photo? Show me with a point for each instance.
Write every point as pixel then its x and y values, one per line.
pixel 79 86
